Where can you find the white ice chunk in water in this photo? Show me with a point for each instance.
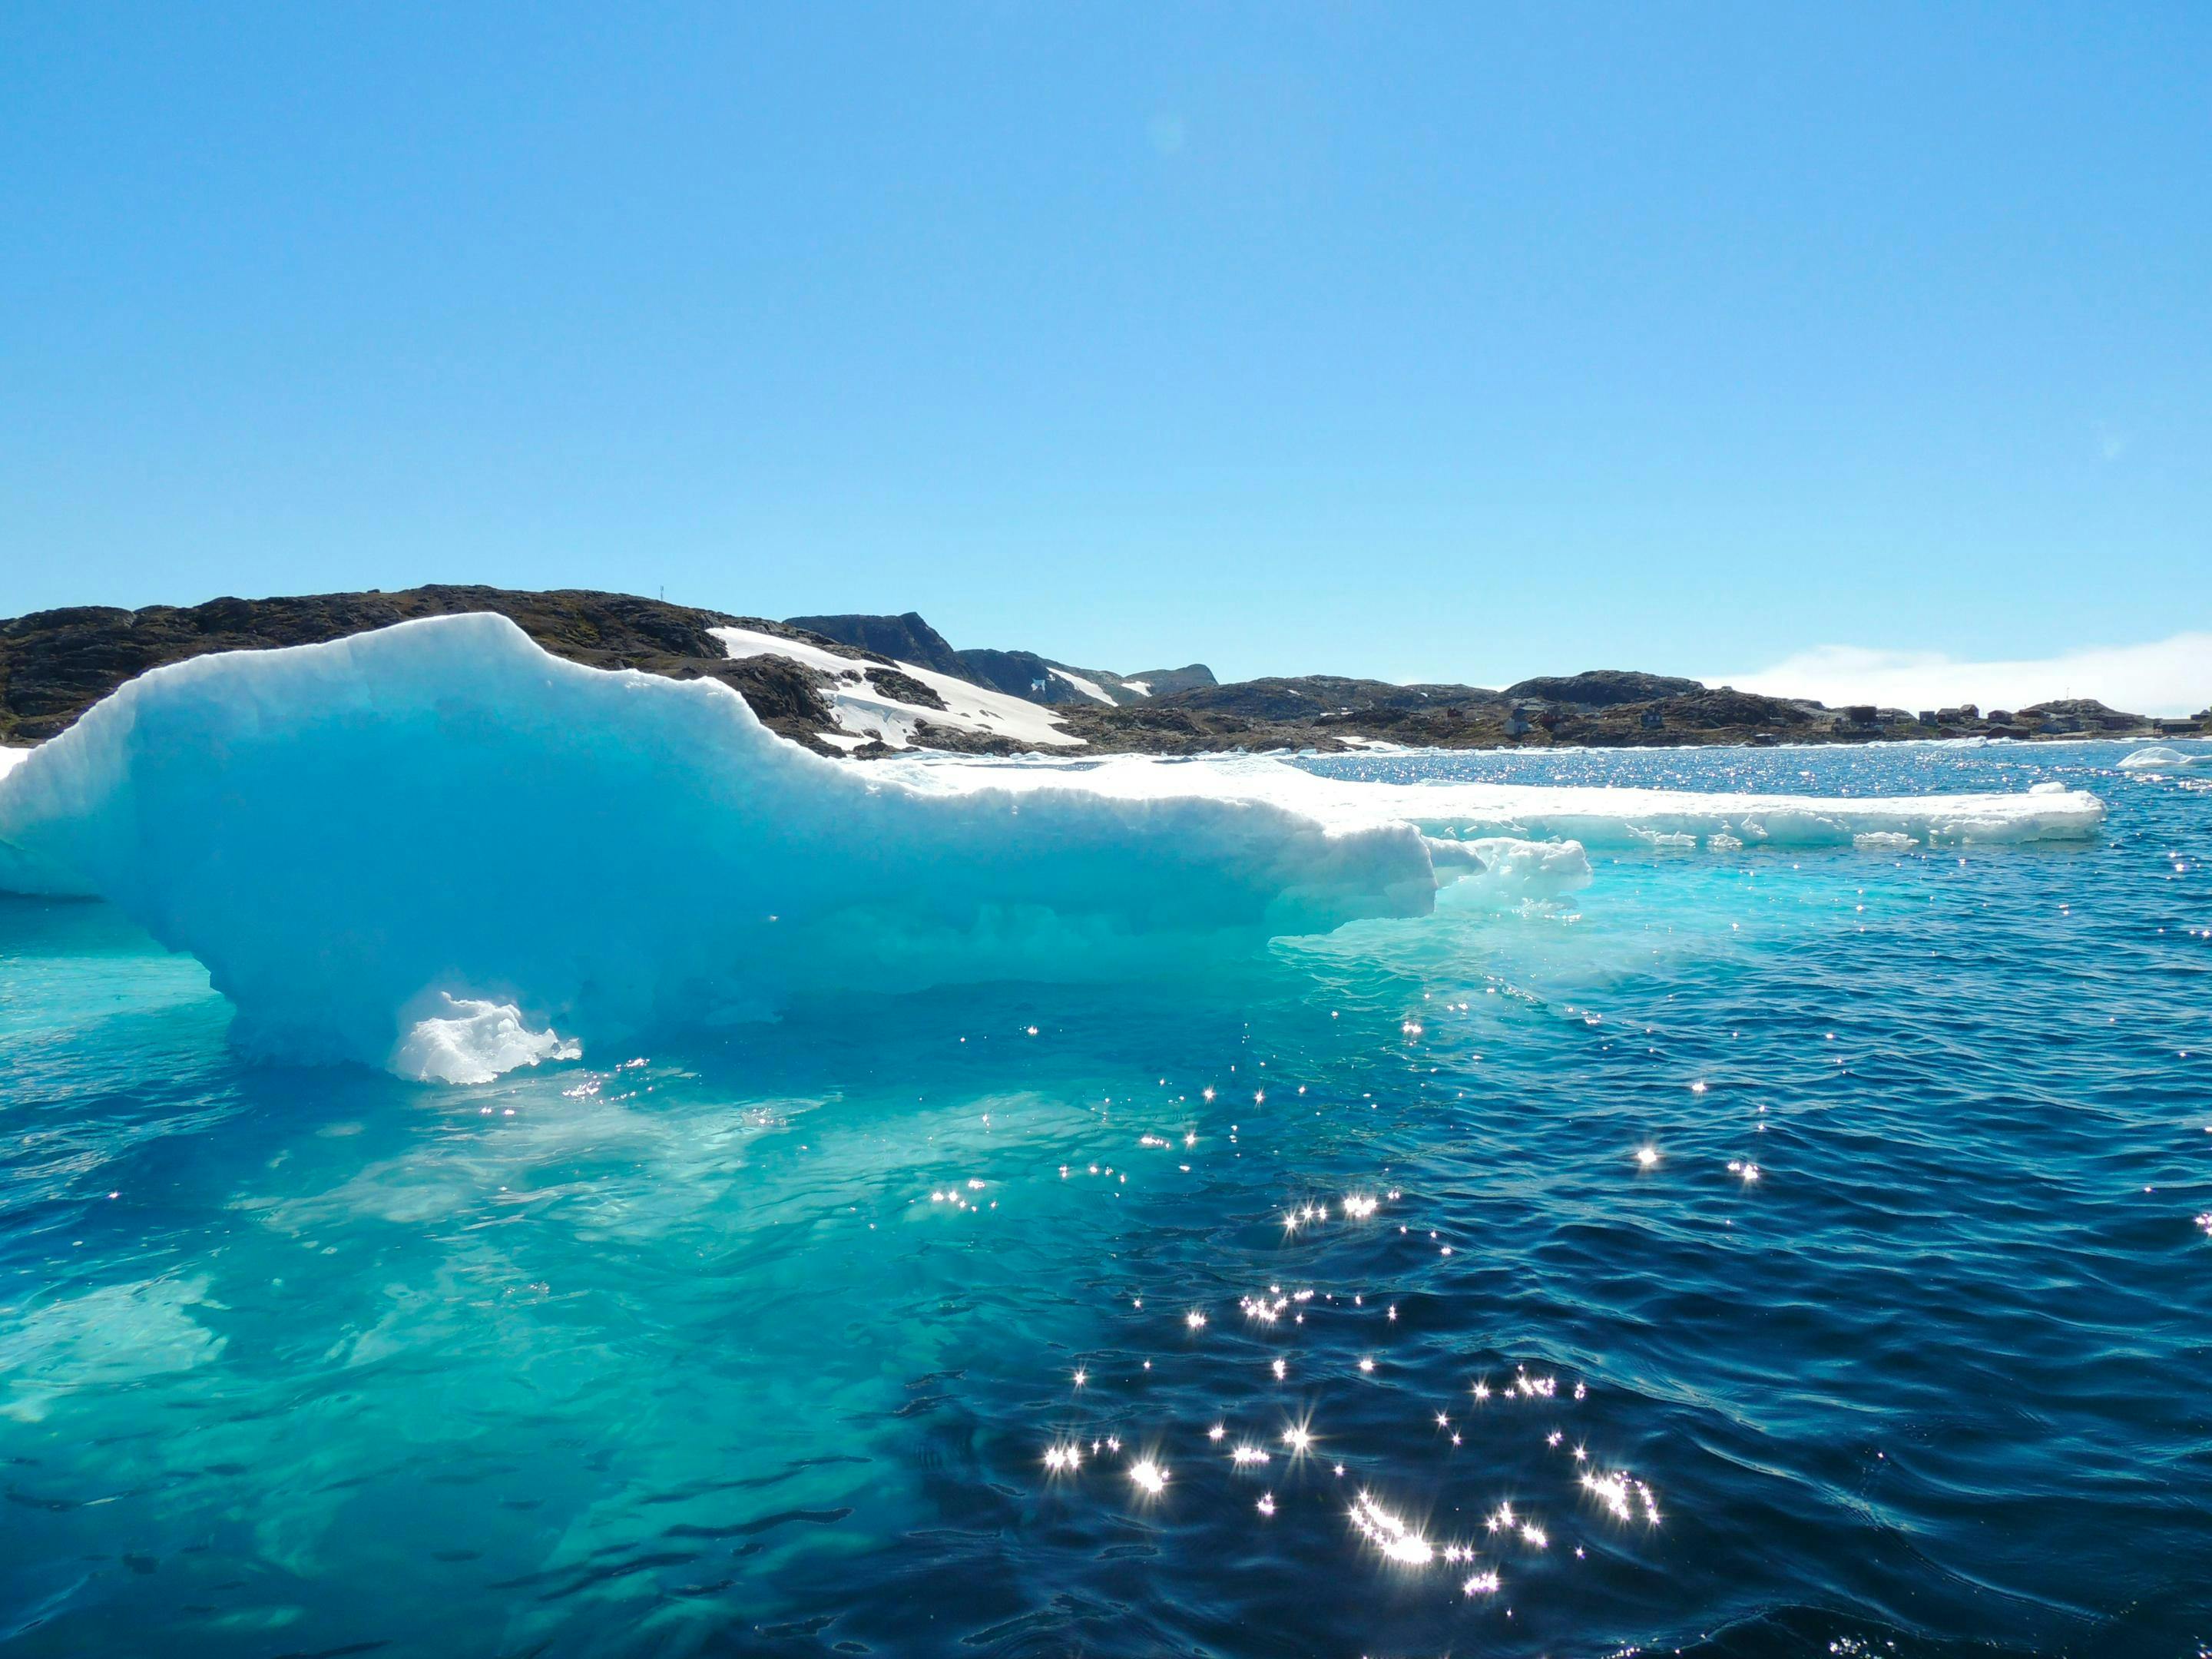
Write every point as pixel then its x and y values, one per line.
pixel 2144 760
pixel 468 1040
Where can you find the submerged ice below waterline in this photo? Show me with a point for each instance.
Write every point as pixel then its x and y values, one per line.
pixel 350 835
pixel 760 1340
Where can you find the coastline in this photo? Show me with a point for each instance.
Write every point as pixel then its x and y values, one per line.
pixel 834 696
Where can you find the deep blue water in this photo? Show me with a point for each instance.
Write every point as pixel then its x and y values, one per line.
pixel 756 1342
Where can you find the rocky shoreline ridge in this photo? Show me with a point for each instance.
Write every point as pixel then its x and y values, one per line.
pixel 872 686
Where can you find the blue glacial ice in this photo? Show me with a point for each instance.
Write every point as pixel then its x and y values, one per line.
pixel 345 834
pixel 438 848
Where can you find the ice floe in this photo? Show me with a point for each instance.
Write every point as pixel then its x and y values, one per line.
pixel 2154 758
pixel 1651 819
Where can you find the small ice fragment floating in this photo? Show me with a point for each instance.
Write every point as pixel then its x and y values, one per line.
pixel 466 1040
pixel 2154 759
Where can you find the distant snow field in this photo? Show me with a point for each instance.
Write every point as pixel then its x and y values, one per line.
pixel 865 713
pixel 1089 688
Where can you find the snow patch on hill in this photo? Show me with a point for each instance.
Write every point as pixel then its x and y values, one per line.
pixel 1089 688
pixel 867 712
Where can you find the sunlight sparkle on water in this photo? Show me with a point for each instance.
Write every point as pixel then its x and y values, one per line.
pixel 1389 1534
pixel 1619 1492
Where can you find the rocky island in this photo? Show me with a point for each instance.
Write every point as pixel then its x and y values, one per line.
pixel 870 685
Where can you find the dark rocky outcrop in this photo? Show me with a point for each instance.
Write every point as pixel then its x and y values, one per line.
pixel 1328 697
pixel 1040 679
pixel 2069 715
pixel 56 664
pixel 904 687
pixel 1017 673
pixel 1023 674
pixel 904 638
pixel 1166 682
pixel 1601 688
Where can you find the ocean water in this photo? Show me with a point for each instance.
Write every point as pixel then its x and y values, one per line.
pixel 1760 1252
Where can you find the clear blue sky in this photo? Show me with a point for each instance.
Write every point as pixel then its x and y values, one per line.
pixel 1425 341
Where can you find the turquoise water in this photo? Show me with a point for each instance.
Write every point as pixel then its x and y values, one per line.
pixel 757 1339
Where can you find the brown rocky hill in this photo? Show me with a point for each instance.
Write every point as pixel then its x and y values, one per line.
pixel 56 664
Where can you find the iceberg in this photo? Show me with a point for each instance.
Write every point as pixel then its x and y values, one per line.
pixel 437 849
pixel 346 833
pixel 2146 760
